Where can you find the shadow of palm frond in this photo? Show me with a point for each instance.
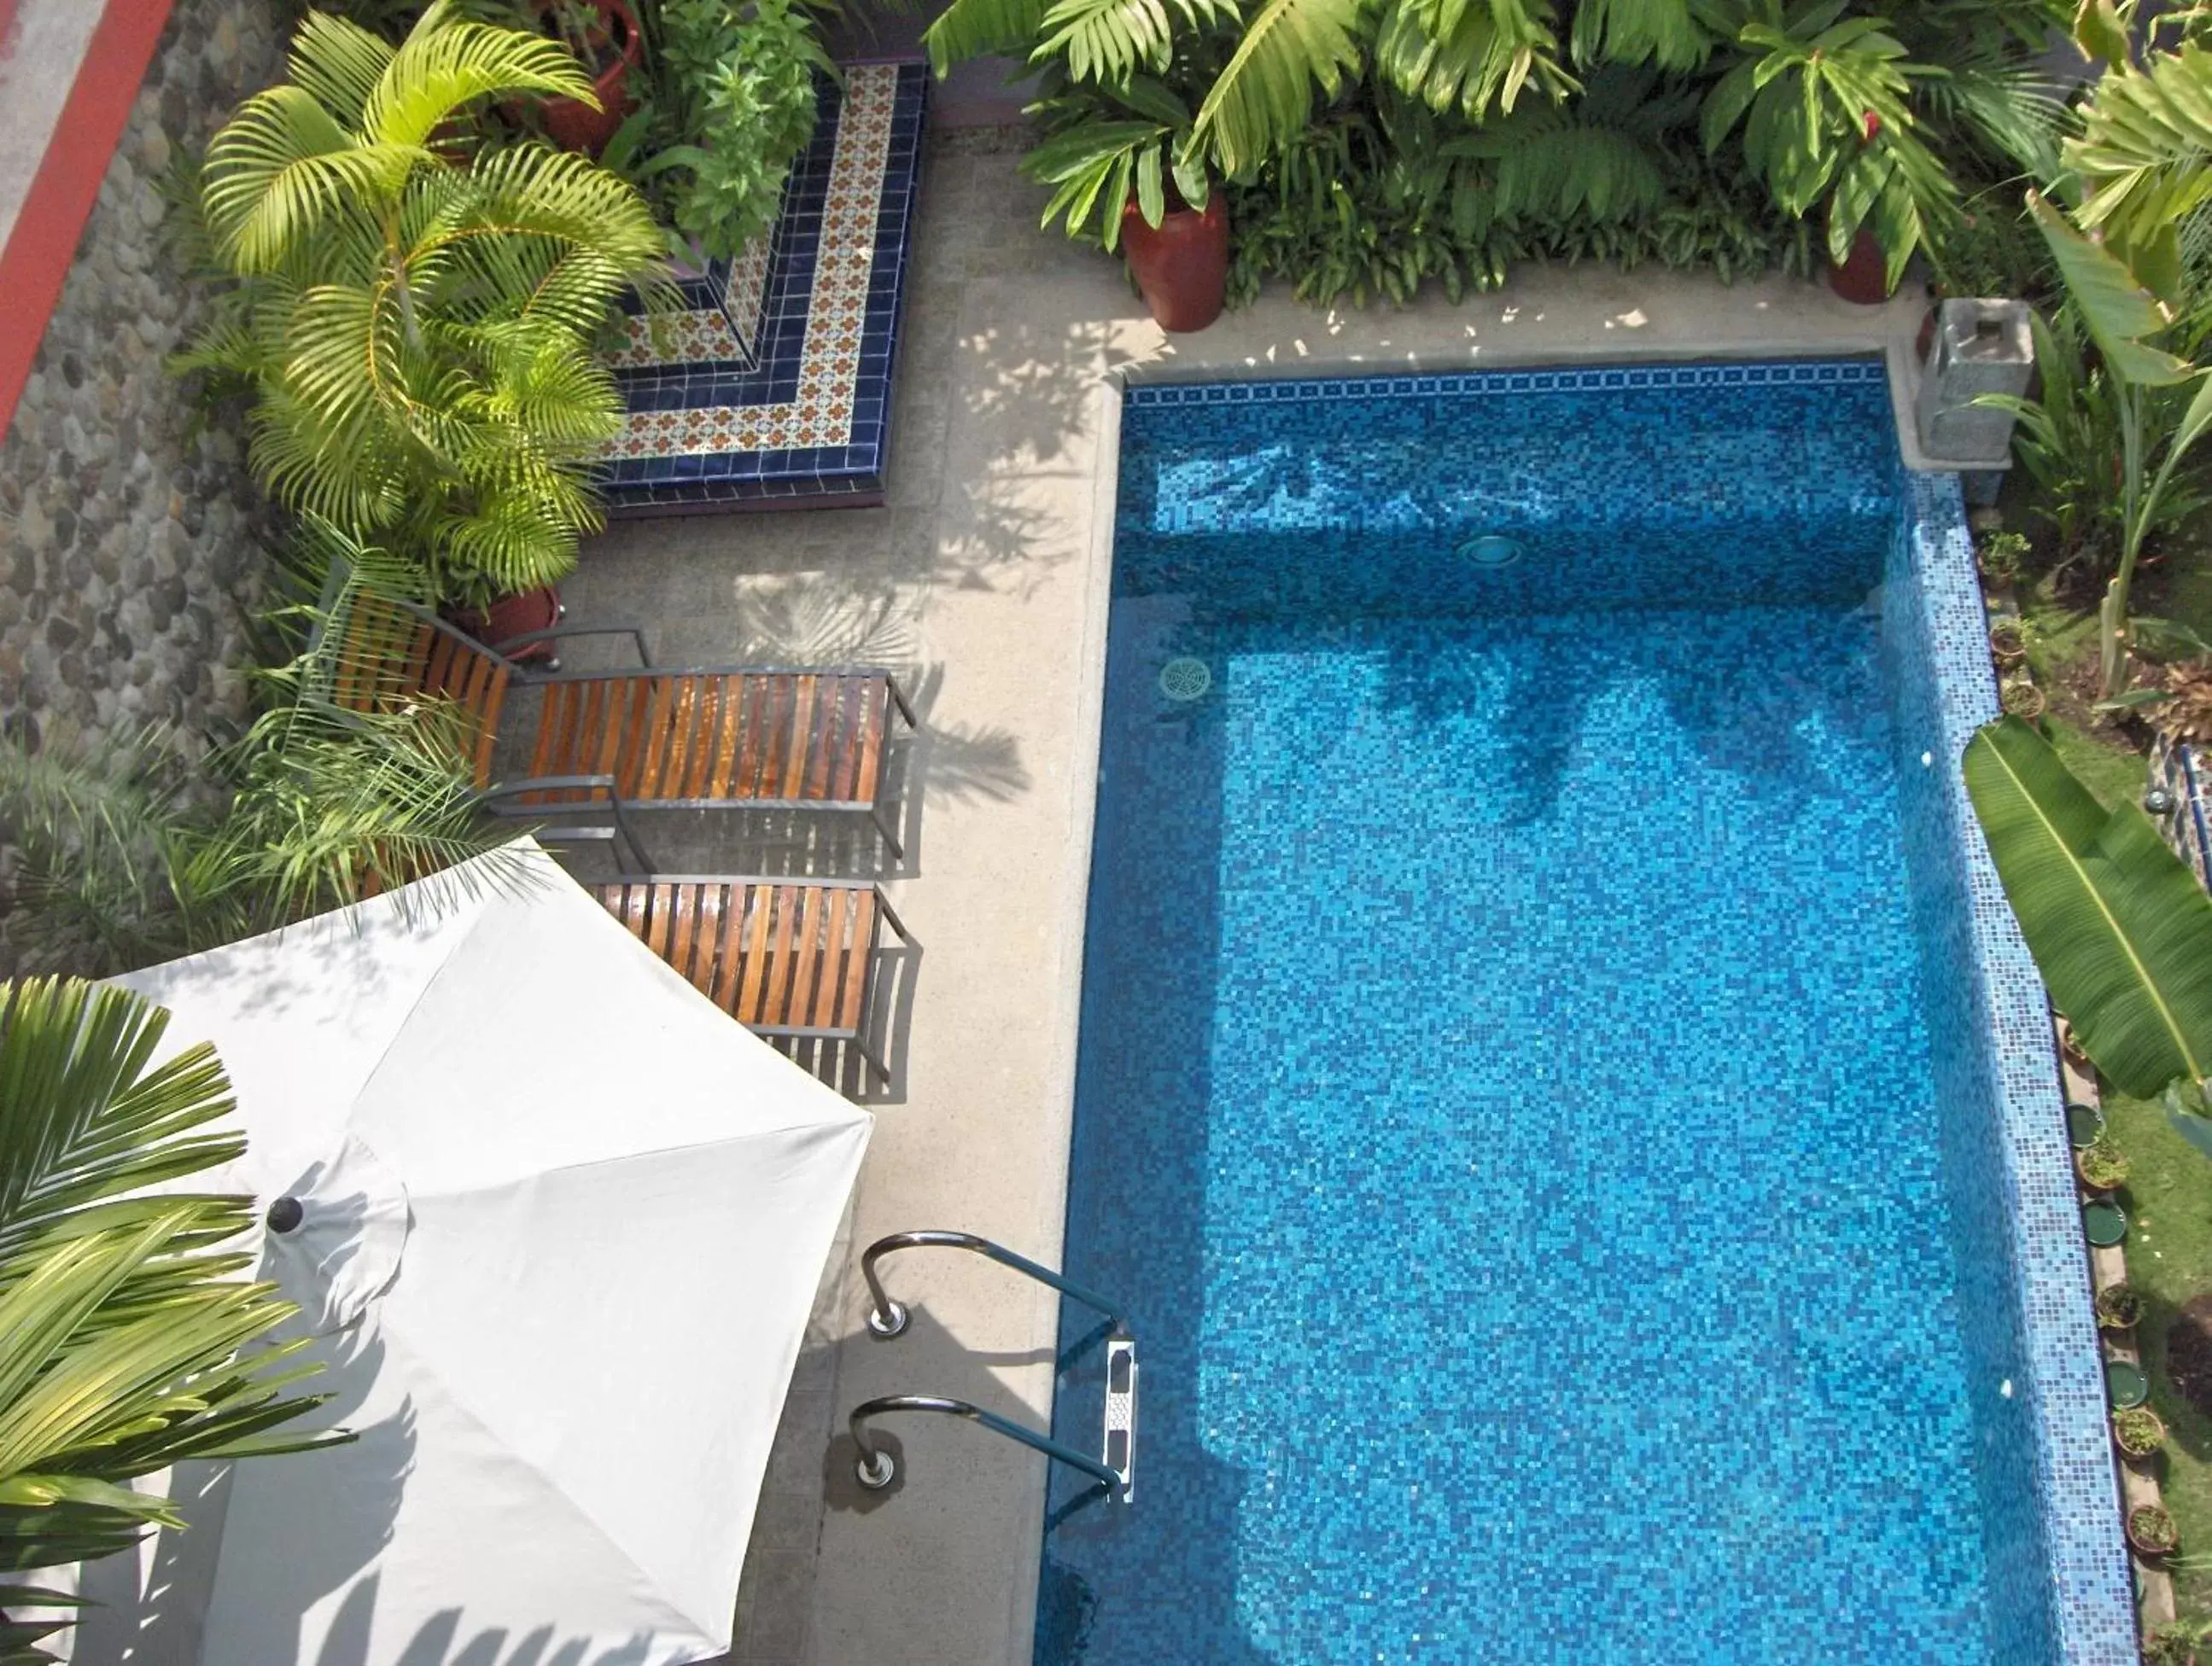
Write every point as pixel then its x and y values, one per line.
pixel 816 619
pixel 955 761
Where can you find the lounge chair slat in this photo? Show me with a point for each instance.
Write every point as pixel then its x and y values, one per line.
pixel 862 951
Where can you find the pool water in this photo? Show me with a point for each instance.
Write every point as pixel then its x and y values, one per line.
pixel 1505 1097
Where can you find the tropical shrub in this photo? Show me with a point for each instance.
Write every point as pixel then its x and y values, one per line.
pixel 123 1325
pixel 412 307
pixel 1382 194
pixel 2131 258
pixel 132 850
pixel 736 88
pixel 1860 113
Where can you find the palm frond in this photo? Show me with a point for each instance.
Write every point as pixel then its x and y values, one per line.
pixel 1263 98
pixel 447 61
pixel 1110 40
pixel 982 28
pixel 1471 54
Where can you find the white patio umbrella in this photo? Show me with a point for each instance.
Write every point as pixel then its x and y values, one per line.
pixel 561 1223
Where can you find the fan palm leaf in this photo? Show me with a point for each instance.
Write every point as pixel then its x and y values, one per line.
pixel 982 28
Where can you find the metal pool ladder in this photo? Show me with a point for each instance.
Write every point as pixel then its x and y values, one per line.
pixel 1115 1468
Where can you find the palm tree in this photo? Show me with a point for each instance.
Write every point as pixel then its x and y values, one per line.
pixel 415 309
pixel 127 1341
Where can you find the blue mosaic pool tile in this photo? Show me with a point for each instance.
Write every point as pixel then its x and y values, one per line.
pixel 799 412
pixel 1413 781
pixel 1996 1052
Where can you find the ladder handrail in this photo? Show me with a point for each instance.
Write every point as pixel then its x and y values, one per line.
pixel 888 1318
pixel 877 1468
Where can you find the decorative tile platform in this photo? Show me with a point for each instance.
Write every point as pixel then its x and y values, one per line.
pixel 775 384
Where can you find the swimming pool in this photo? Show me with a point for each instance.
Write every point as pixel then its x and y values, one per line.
pixel 1557 1091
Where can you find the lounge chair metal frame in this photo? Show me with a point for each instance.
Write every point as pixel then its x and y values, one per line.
pixel 764 726
pixel 764 961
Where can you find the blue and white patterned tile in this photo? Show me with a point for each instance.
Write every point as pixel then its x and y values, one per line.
pixel 781 414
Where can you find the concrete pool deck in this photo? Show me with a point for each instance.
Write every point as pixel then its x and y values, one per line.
pixel 985 574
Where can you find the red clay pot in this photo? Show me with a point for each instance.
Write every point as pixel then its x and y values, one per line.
pixel 1863 278
pixel 510 616
pixel 1183 265
pixel 574 125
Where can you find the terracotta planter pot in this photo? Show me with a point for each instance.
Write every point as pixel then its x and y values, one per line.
pixel 1864 277
pixel 512 616
pixel 574 125
pixel 1183 265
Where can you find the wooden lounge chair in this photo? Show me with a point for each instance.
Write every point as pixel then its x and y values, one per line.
pixel 758 738
pixel 783 957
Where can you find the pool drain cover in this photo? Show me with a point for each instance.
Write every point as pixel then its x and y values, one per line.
pixel 1492 550
pixel 1184 678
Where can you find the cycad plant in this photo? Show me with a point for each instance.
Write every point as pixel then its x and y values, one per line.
pixel 413 307
pixel 128 1340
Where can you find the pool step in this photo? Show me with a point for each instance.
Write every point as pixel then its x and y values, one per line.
pixel 1120 1452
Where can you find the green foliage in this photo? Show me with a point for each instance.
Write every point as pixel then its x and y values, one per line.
pixel 1824 101
pixel 737 83
pixel 130 850
pixel 2121 258
pixel 122 1318
pixel 1695 131
pixel 2137 1430
pixel 1376 200
pixel 2119 928
pixel 2102 1164
pixel 412 307
pixel 2072 440
pixel 2119 1308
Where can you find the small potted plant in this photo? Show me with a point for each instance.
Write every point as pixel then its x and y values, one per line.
pixel 2022 699
pixel 2137 1432
pixel 2119 1308
pixel 2008 644
pixel 2002 555
pixel 605 38
pixel 2102 1165
pixel 2151 1532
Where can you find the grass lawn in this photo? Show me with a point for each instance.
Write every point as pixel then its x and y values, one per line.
pixel 2168 1198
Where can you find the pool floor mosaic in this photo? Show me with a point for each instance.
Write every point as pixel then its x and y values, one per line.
pixel 776 384
pixel 1507 1097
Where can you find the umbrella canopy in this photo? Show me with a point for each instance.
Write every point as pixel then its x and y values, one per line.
pixel 561 1225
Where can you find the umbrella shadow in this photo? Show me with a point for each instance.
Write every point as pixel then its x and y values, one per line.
pixel 157 1618
pixel 442 1640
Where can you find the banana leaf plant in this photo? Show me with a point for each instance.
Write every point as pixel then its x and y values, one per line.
pixel 128 1340
pixel 2119 928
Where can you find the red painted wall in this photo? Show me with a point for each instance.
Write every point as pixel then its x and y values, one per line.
pixel 45 238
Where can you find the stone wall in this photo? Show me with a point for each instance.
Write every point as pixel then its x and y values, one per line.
pixel 130 535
